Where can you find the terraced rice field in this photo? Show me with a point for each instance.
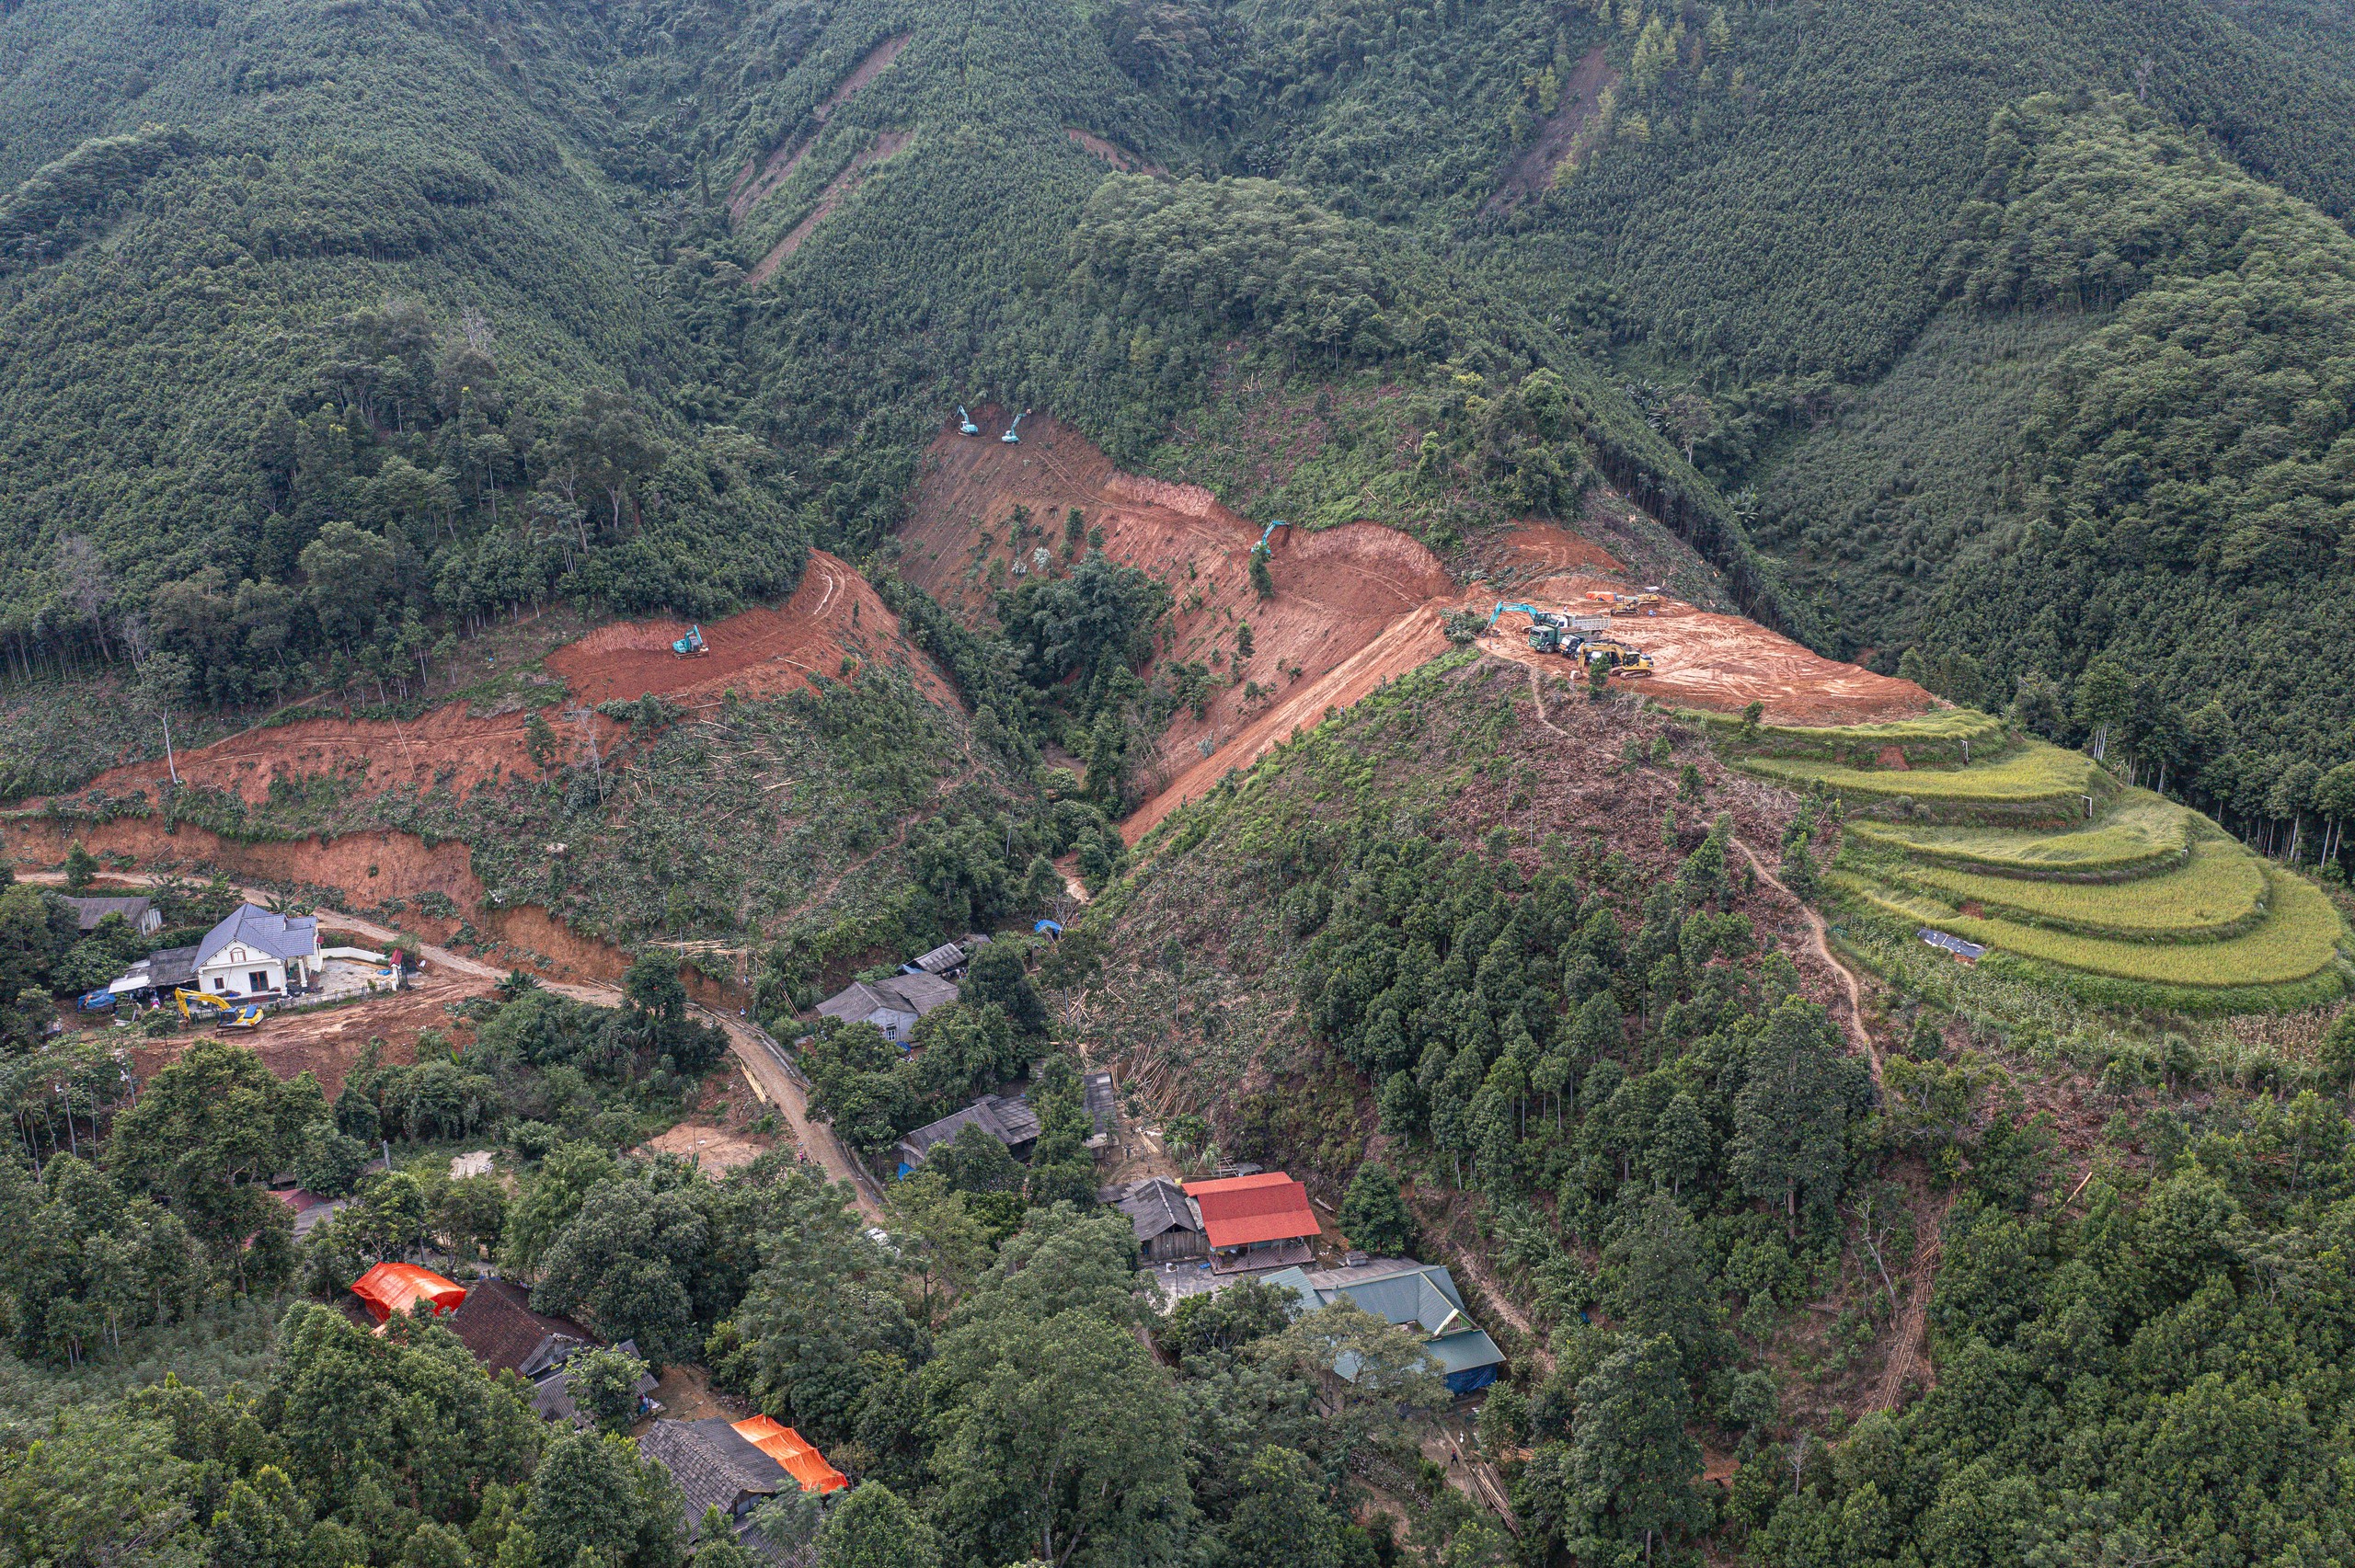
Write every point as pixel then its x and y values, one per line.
pixel 2297 939
pixel 2143 832
pixel 1944 734
pixel 2149 904
pixel 2037 779
pixel 2218 892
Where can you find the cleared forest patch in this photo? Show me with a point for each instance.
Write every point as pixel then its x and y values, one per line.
pixel 889 144
pixel 1112 153
pixel 1566 136
pixel 748 190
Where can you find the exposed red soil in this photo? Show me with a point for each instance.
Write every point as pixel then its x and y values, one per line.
pixel 370 867
pixel 1723 663
pixel 834 613
pixel 1548 546
pixel 746 193
pixel 713 1148
pixel 1566 134
pixel 330 1042
pixel 448 743
pixel 1112 153
pixel 887 145
pixel 1352 606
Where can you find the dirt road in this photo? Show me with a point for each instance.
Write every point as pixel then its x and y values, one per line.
pixel 1820 944
pixel 751 1046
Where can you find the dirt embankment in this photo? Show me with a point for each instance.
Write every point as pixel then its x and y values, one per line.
pixel 834 616
pixel 1721 663
pixel 1566 136
pixel 1353 606
pixel 888 145
pixel 747 190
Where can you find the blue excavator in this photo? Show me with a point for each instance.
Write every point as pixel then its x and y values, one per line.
pixel 1552 631
pixel 965 425
pixel 1012 436
pixel 1549 630
pixel 692 645
pixel 1268 533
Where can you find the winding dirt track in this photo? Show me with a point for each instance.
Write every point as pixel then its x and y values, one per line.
pixel 1821 945
pixel 751 1047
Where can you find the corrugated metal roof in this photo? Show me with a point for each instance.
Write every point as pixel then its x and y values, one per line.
pixel 1421 1297
pixel 1240 1210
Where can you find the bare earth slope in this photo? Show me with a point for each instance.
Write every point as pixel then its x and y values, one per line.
pixel 1354 606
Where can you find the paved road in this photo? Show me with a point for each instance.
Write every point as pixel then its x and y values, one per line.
pixel 753 1048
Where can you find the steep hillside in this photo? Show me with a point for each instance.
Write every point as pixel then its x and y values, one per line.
pixel 1235 666
pixel 778 791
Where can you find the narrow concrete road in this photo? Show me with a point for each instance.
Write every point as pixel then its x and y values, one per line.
pixel 751 1046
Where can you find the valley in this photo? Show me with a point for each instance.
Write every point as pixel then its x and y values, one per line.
pixel 890 785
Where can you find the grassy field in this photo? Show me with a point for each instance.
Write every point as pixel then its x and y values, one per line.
pixel 2037 783
pixel 1947 735
pixel 2142 833
pixel 2219 892
pixel 2297 939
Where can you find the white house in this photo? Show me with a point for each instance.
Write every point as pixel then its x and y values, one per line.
pixel 254 951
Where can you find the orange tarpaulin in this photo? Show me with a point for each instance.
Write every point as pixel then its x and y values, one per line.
pixel 790 1448
pixel 392 1288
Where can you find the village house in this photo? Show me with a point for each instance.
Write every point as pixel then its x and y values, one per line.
pixel 1011 1121
pixel 1168 1228
pixel 141 914
pixel 256 950
pixel 1261 1220
pixel 1419 1298
pixel 891 1005
pixel 735 1467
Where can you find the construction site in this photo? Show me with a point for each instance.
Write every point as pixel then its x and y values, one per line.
pixel 1352 606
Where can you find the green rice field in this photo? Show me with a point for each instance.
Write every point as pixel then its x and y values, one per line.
pixel 2143 832
pixel 2036 776
pixel 2218 892
pixel 2298 938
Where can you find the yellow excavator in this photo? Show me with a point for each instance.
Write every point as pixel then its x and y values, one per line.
pixel 198 1008
pixel 1617 657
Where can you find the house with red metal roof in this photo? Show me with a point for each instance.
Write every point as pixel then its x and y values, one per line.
pixel 1257 1221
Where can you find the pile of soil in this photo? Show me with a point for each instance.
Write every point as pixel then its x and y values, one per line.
pixel 834 614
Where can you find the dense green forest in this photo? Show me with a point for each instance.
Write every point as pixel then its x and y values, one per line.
pixel 2008 348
